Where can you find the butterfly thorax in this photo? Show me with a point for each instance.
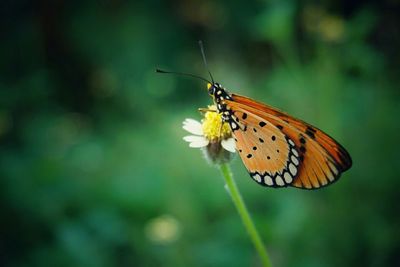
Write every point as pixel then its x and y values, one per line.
pixel 220 95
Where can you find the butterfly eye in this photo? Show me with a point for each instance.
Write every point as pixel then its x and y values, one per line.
pixel 211 88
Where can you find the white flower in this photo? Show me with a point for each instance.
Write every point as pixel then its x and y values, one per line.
pixel 211 134
pixel 194 127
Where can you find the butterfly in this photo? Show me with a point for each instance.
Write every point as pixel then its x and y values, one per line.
pixel 277 149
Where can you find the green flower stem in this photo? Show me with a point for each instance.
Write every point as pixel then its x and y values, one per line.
pixel 244 214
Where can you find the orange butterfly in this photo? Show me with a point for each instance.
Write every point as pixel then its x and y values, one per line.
pixel 277 149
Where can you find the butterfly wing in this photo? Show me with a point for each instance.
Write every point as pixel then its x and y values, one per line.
pixel 269 155
pixel 307 157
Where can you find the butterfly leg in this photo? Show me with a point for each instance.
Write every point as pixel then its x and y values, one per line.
pixel 223 120
pixel 204 110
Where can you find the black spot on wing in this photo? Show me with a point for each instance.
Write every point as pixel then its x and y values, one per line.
pixel 310 132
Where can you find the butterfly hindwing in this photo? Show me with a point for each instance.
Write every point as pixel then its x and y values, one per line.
pixel 269 155
pixel 320 159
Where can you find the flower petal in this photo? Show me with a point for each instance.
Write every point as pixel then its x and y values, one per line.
pixel 193 126
pixel 229 144
pixel 192 138
pixel 196 141
pixel 198 144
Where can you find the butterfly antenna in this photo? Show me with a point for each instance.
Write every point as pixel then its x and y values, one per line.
pixel 204 59
pixel 184 74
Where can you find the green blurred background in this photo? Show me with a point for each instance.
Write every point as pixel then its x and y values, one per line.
pixel 93 168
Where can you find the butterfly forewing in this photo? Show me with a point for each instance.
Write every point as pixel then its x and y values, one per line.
pixel 308 155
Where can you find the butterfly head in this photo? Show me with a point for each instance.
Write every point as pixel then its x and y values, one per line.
pixel 217 92
pixel 211 88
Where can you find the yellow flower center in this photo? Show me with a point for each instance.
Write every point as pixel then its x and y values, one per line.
pixel 213 128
